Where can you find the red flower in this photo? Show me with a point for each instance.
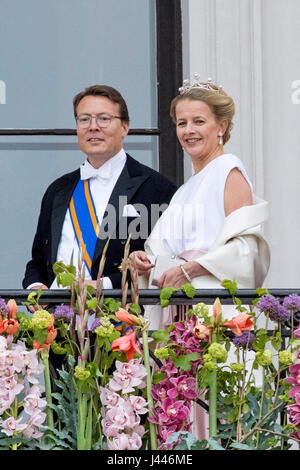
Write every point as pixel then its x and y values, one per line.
pixel 240 323
pixel 11 326
pixel 128 344
pixel 1 325
pixel 13 308
pixel 127 317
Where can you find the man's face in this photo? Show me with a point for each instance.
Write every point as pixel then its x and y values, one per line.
pixel 100 144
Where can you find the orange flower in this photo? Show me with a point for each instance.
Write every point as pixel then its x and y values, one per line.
pixel 38 346
pixel 240 323
pixel 13 308
pixel 217 312
pixel 127 317
pixel 11 326
pixel 1 325
pixel 128 344
pixel 202 332
pixel 51 335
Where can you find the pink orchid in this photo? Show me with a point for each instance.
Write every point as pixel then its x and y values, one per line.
pixel 134 442
pixel 185 387
pixel 110 398
pixel 33 402
pixel 294 411
pixel 174 410
pixel 11 425
pixel 119 442
pixel 138 404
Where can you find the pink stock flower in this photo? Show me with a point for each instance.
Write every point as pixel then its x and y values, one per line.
pixel 11 425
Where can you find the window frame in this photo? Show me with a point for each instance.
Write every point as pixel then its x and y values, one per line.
pixel 169 79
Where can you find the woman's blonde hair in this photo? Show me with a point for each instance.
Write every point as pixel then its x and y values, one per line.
pixel 221 105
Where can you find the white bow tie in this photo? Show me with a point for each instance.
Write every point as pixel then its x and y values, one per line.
pixel 102 173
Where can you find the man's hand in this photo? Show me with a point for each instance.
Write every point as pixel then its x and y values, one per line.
pixel 141 262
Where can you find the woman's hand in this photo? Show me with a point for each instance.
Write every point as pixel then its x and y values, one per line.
pixel 142 263
pixel 175 277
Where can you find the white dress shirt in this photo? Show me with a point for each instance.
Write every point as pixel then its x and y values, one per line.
pixel 102 183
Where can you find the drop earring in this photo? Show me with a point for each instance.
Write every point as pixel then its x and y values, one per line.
pixel 221 138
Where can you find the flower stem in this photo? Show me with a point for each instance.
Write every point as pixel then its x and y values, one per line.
pixel 213 400
pixel 45 358
pixel 153 441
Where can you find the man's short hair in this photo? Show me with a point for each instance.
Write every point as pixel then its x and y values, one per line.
pixel 108 92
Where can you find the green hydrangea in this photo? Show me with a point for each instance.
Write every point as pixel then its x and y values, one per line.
pixel 235 367
pixel 103 331
pixel 81 373
pixel 217 352
pixel 41 319
pixel 210 365
pixel 57 348
pixel 161 353
pixel 286 358
pixel 264 358
pixel 25 323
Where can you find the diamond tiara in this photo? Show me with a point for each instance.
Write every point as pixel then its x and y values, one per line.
pixel 187 85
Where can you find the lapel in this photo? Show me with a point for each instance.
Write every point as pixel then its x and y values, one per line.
pixel 131 178
pixel 60 205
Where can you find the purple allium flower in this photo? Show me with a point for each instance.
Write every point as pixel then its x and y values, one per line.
pixel 271 306
pixel 292 302
pixel 244 341
pixel 4 310
pixel 268 304
pixel 95 324
pixel 282 315
pixel 64 312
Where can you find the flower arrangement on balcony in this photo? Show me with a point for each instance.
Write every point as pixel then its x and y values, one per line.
pixel 117 389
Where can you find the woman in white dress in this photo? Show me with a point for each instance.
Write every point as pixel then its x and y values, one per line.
pixel 213 222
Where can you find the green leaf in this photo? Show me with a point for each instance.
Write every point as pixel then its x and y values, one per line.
pixel 92 303
pixel 277 341
pixel 135 308
pixel 65 279
pixel 231 286
pixel 158 377
pixel 241 446
pixel 184 361
pixel 160 336
pixel 260 340
pixel 188 441
pixel 214 444
pixel 165 295
pixel 40 335
pixel 189 290
pixel 260 292
pixel 111 305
